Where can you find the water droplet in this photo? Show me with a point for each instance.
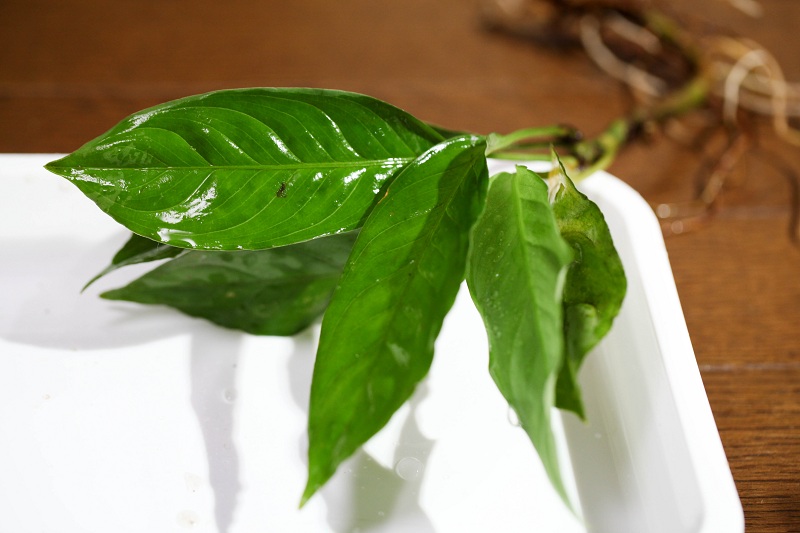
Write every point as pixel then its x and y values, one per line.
pixel 229 395
pixel 381 514
pixel 513 419
pixel 401 356
pixel 193 482
pixel 188 519
pixel 408 468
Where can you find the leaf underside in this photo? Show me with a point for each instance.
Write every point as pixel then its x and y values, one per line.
pixel 515 274
pixel 248 168
pixel 279 291
pixel 404 272
pixel 137 250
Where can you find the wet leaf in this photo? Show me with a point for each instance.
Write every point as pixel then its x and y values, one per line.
pixel 378 333
pixel 247 168
pixel 516 270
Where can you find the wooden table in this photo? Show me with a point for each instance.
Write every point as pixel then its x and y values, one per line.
pixel 70 70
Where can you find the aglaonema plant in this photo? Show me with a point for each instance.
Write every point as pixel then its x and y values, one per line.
pixel 272 207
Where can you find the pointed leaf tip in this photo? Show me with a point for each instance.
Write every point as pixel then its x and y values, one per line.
pixel 515 274
pixel 400 281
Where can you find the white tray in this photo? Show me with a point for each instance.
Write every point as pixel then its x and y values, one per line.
pixel 121 418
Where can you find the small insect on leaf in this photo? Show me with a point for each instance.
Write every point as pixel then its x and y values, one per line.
pixel 281 192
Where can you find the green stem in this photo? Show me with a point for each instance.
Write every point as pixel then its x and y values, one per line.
pixel 511 155
pixel 590 155
pixel 543 136
pixel 598 153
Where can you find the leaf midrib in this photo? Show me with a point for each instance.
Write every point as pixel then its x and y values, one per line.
pixel 394 161
pixel 519 217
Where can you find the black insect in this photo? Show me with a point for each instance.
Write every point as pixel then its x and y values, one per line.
pixel 281 192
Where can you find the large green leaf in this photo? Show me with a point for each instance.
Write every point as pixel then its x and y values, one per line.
pixel 138 250
pixel 378 333
pixel 595 285
pixel 516 270
pixel 278 291
pixel 247 168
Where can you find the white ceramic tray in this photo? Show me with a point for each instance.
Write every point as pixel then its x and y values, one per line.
pixel 129 418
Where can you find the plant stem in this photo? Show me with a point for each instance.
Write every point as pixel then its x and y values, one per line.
pixel 599 153
pixel 541 136
pixel 586 156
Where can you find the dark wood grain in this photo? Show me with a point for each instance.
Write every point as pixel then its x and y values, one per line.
pixel 70 70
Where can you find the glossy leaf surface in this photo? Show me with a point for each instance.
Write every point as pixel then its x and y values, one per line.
pixel 516 270
pixel 267 292
pixel 248 168
pixel 378 333
pixel 595 285
pixel 137 250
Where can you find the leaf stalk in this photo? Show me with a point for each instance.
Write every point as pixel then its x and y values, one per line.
pixel 586 156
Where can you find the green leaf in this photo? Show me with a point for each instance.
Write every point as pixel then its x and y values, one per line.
pixel 402 277
pixel 515 272
pixel 135 251
pixel 248 168
pixel 279 291
pixel 595 285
